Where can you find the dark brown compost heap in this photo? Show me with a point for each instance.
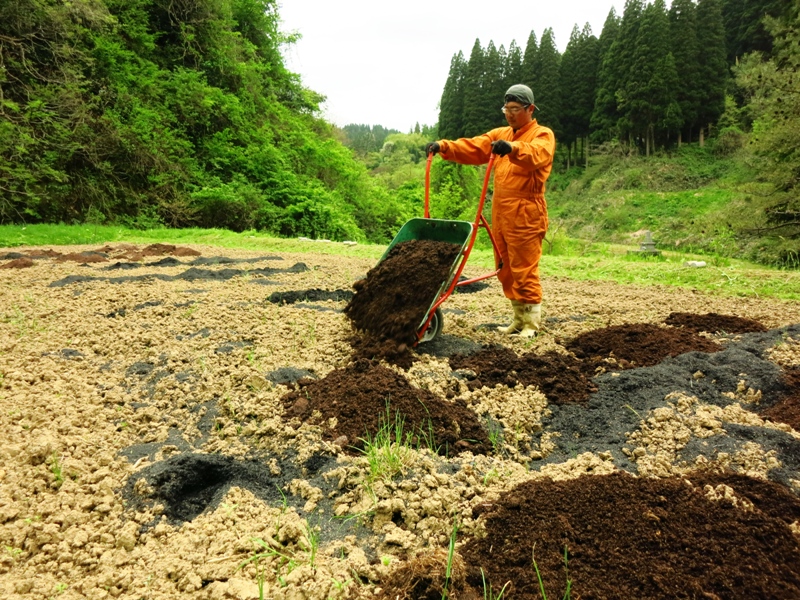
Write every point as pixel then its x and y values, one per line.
pixel 424 577
pixel 360 396
pixel 629 537
pixel 391 302
pixel 18 263
pixel 637 345
pixel 787 409
pixel 713 323
pixel 559 377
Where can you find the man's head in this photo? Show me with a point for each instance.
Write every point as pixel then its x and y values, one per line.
pixel 519 105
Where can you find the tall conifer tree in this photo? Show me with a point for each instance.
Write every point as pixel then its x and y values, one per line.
pixel 451 106
pixel 620 65
pixel 513 68
pixel 547 82
pixel 585 92
pixel 712 63
pixel 473 92
pixel 650 87
pixel 684 47
pixel 570 82
pixel 493 89
pixel 528 60
pixel 604 114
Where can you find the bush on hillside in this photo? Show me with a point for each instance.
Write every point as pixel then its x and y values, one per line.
pixel 179 113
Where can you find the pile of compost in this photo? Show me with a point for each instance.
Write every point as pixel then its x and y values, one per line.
pixel 365 398
pixel 390 303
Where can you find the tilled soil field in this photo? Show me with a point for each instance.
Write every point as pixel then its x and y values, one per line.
pixel 206 423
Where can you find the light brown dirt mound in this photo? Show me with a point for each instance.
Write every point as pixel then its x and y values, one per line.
pixel 82 257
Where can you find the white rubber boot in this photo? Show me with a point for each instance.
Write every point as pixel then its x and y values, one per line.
pixel 516 324
pixel 531 320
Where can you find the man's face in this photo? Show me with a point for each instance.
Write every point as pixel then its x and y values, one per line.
pixel 517 114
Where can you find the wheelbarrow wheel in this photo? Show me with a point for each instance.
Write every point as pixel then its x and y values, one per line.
pixel 434 327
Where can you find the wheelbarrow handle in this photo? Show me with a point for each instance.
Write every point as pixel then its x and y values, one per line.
pixel 427 213
pixel 427 210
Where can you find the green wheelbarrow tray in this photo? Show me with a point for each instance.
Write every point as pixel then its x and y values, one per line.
pixel 437 230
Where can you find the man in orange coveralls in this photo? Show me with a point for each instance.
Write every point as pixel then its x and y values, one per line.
pixel 519 210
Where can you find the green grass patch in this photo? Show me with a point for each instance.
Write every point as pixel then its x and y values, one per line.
pixel 13 236
pixel 620 213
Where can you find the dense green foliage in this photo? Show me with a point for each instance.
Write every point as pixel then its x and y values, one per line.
pixel 145 113
pixel 364 139
pixel 655 78
pixel 182 113
pixel 773 199
pixel 745 27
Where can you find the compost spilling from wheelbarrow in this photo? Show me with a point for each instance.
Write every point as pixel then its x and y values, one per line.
pixel 391 302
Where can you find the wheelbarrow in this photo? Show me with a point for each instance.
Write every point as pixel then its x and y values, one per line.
pixel 462 233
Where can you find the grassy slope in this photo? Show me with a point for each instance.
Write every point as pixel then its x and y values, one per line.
pixel 566 258
pixel 689 200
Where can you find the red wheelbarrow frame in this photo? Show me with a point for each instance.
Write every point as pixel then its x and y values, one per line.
pixel 461 261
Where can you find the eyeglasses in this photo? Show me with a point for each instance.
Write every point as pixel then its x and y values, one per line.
pixel 514 109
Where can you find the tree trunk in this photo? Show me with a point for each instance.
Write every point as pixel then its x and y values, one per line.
pixel 680 139
pixel 586 149
pixel 702 138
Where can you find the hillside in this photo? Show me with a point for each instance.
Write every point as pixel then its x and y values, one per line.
pixel 690 200
pixel 148 114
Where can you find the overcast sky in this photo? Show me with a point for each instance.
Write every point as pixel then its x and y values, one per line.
pixel 386 63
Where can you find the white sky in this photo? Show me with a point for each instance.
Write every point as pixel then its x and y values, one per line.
pixel 386 63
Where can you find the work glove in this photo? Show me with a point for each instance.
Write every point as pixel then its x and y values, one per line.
pixel 501 148
pixel 431 148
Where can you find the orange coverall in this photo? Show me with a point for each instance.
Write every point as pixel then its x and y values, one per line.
pixel 519 209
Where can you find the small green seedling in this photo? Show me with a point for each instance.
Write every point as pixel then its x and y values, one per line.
pixel 488 594
pixel 568 591
pixel 451 549
pixel 340 585
pixel 312 535
pixel 56 469
pixel 490 476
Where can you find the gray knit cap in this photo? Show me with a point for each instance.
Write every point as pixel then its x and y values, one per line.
pixel 519 93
